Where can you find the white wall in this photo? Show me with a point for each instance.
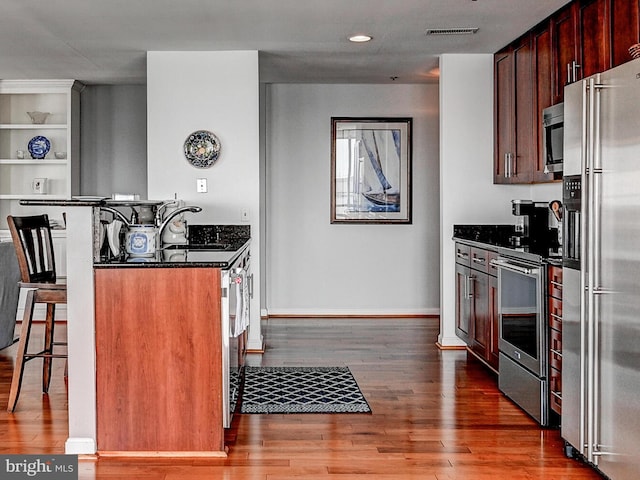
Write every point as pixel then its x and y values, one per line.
pixel 467 192
pixel 113 141
pixel 314 267
pixel 216 91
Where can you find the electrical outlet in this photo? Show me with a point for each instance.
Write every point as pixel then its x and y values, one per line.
pixel 201 185
pixel 244 215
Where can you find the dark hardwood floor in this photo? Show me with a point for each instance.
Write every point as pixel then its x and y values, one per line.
pixel 436 415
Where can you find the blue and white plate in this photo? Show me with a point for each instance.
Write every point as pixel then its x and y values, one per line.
pixel 39 146
pixel 202 149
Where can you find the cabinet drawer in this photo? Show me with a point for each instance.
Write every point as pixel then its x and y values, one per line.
pixel 555 313
pixel 463 252
pixel 555 349
pixel 555 281
pixel 479 259
pixel 555 390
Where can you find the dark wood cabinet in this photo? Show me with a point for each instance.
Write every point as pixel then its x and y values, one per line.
pixel 625 25
pixel 554 309
pixel 565 50
pixel 583 38
pixel 594 39
pixel 542 51
pixel 463 303
pixel 480 302
pixel 494 335
pixel 476 302
pixel 514 145
pixel 503 113
pixel 463 298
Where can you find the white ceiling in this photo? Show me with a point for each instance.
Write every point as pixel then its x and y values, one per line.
pixel 105 41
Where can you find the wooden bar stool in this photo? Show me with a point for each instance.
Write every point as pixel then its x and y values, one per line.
pixel 34 249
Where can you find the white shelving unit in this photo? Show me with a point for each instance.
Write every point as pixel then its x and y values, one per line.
pixel 61 98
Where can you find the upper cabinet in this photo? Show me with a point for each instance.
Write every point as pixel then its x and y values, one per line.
pixel 514 113
pixel 38 151
pixel 583 38
pixel 565 50
pixel 624 18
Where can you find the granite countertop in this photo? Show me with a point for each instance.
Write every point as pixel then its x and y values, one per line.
pixel 216 246
pixel 498 238
pixel 179 257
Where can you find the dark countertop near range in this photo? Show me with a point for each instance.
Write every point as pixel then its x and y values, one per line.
pixel 498 238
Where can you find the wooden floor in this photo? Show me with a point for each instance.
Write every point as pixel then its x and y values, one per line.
pixel 436 415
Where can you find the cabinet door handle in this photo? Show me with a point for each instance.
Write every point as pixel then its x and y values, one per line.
pixel 574 70
pixel 556 284
pixel 462 255
pixel 469 287
pixel 557 317
pixel 478 260
pixel 508 165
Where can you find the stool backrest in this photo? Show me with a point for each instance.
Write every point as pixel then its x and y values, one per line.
pixel 34 248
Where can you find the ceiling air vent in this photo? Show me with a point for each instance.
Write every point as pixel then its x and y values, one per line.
pixel 451 31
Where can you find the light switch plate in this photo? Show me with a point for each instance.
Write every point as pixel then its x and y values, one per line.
pixel 201 185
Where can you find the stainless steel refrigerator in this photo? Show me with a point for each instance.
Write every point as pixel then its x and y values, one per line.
pixel 601 271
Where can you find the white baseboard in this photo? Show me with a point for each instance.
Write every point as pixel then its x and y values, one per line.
pixel 80 446
pixel 450 341
pixel 319 312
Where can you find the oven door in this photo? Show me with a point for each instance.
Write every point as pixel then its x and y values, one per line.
pixel 521 313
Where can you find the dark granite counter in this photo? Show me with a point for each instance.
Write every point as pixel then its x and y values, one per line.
pixel 216 246
pixel 179 257
pixel 498 239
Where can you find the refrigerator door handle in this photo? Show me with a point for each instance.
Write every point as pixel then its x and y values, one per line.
pixel 582 231
pixel 594 175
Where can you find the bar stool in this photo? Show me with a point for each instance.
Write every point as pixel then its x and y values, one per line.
pixel 34 249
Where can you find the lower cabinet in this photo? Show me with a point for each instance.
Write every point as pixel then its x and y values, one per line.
pixel 477 302
pixel 159 361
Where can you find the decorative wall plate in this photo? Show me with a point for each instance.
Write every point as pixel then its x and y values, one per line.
pixel 39 146
pixel 202 149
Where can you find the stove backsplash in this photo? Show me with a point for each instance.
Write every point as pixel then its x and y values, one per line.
pixel 213 234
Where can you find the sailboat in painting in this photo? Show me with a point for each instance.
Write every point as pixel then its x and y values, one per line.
pixel 386 197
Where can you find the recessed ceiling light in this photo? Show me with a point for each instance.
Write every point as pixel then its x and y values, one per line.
pixel 360 38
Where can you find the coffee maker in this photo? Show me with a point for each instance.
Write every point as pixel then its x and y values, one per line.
pixel 532 225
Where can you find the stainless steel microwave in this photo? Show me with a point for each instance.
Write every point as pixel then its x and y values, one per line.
pixel 553 137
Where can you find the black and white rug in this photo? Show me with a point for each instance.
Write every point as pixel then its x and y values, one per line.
pixel 301 390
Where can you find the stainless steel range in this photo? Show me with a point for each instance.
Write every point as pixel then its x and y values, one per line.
pixel 523 331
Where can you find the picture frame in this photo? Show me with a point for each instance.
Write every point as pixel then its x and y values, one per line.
pixel 371 170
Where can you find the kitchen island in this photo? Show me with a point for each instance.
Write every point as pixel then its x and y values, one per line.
pixel 145 347
pixel 160 353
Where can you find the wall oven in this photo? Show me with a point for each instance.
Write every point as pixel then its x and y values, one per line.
pixel 523 333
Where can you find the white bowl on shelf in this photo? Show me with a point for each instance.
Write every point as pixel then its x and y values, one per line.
pixel 38 117
pixel 60 155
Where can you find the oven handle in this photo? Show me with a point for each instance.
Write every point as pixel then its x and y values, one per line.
pixel 514 267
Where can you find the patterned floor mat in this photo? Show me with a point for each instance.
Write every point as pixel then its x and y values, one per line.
pixel 301 390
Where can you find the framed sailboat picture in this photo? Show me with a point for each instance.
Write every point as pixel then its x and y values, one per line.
pixel 370 170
